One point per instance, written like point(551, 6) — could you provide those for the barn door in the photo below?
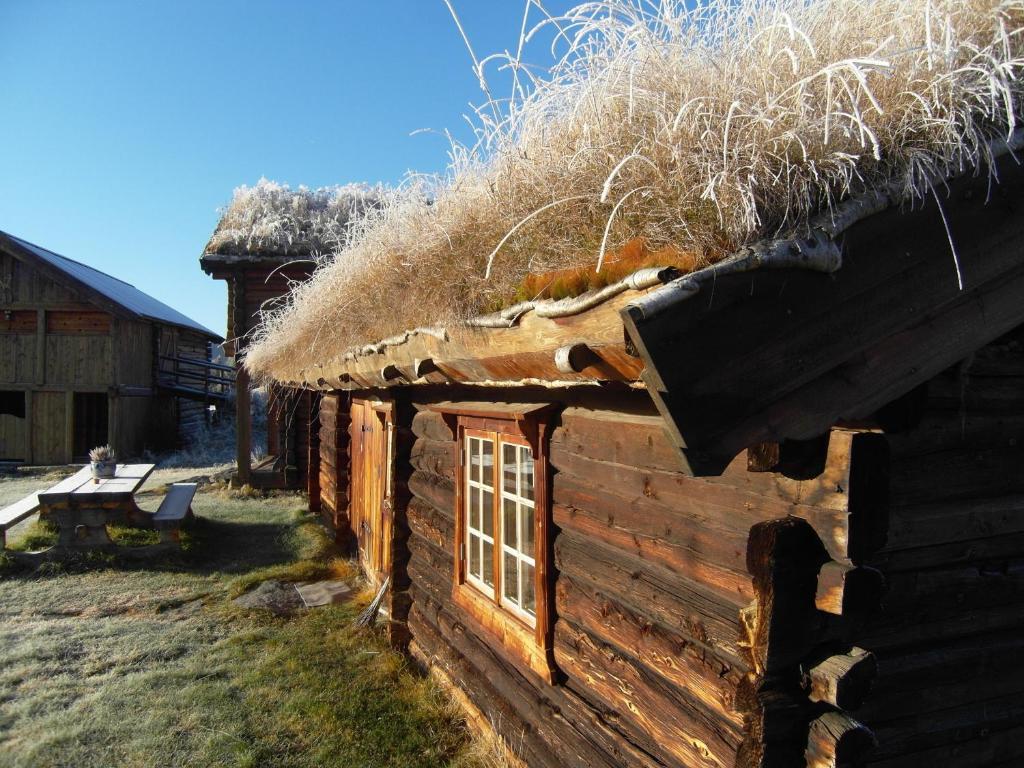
point(370, 507)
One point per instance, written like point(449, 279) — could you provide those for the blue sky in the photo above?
point(126, 125)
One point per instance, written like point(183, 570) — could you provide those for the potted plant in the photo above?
point(103, 462)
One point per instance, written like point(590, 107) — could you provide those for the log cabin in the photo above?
point(266, 241)
point(761, 507)
point(87, 359)
point(768, 513)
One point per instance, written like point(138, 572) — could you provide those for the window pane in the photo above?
point(510, 578)
point(526, 473)
point(473, 450)
point(508, 467)
point(488, 566)
point(474, 508)
point(487, 463)
point(487, 513)
point(526, 532)
point(474, 555)
point(508, 527)
point(529, 602)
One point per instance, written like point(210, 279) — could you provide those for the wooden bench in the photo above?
point(15, 513)
point(175, 509)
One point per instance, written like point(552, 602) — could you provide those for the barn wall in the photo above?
point(651, 580)
point(949, 636)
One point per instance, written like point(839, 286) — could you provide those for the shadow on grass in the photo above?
point(252, 551)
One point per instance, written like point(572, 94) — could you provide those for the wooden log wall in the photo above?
point(334, 463)
point(653, 595)
point(950, 687)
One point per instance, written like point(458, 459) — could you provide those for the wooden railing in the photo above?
point(196, 379)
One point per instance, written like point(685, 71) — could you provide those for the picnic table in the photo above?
point(81, 506)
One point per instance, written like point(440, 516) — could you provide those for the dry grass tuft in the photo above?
point(273, 218)
point(696, 129)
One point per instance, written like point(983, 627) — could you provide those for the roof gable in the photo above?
point(102, 288)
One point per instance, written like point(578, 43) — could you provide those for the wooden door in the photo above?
point(369, 508)
point(13, 427)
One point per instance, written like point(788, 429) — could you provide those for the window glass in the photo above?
point(508, 464)
point(488, 564)
point(526, 473)
point(529, 600)
point(479, 512)
point(510, 578)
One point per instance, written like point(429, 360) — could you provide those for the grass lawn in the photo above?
point(105, 664)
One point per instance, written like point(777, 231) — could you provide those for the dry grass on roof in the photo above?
point(695, 131)
point(273, 219)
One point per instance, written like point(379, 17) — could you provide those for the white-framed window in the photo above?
point(499, 499)
point(518, 548)
point(479, 501)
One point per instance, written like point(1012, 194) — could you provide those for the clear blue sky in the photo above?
point(125, 125)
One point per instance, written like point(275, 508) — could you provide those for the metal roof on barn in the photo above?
point(123, 294)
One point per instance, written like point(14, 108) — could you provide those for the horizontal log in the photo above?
point(952, 554)
point(434, 456)
point(571, 735)
point(960, 473)
point(711, 681)
point(929, 678)
point(430, 524)
point(696, 612)
point(943, 522)
point(954, 588)
point(431, 425)
point(643, 703)
point(437, 491)
point(741, 506)
point(900, 629)
point(950, 728)
point(708, 548)
point(991, 749)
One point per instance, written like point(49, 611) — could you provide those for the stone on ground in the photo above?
point(277, 597)
point(325, 593)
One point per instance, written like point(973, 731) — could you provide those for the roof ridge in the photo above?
point(73, 261)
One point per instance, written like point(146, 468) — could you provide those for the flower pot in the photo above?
point(103, 469)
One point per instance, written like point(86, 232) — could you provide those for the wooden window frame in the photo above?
point(527, 426)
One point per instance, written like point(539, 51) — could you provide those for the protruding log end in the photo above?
point(836, 740)
point(424, 367)
point(843, 680)
point(847, 590)
point(573, 358)
point(392, 373)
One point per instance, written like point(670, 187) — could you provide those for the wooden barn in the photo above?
point(87, 359)
point(770, 513)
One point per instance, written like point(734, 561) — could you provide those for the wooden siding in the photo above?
point(134, 351)
point(81, 362)
point(17, 357)
point(50, 434)
point(334, 464)
point(23, 287)
point(650, 586)
point(950, 690)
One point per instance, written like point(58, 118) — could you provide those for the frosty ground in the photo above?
point(104, 663)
